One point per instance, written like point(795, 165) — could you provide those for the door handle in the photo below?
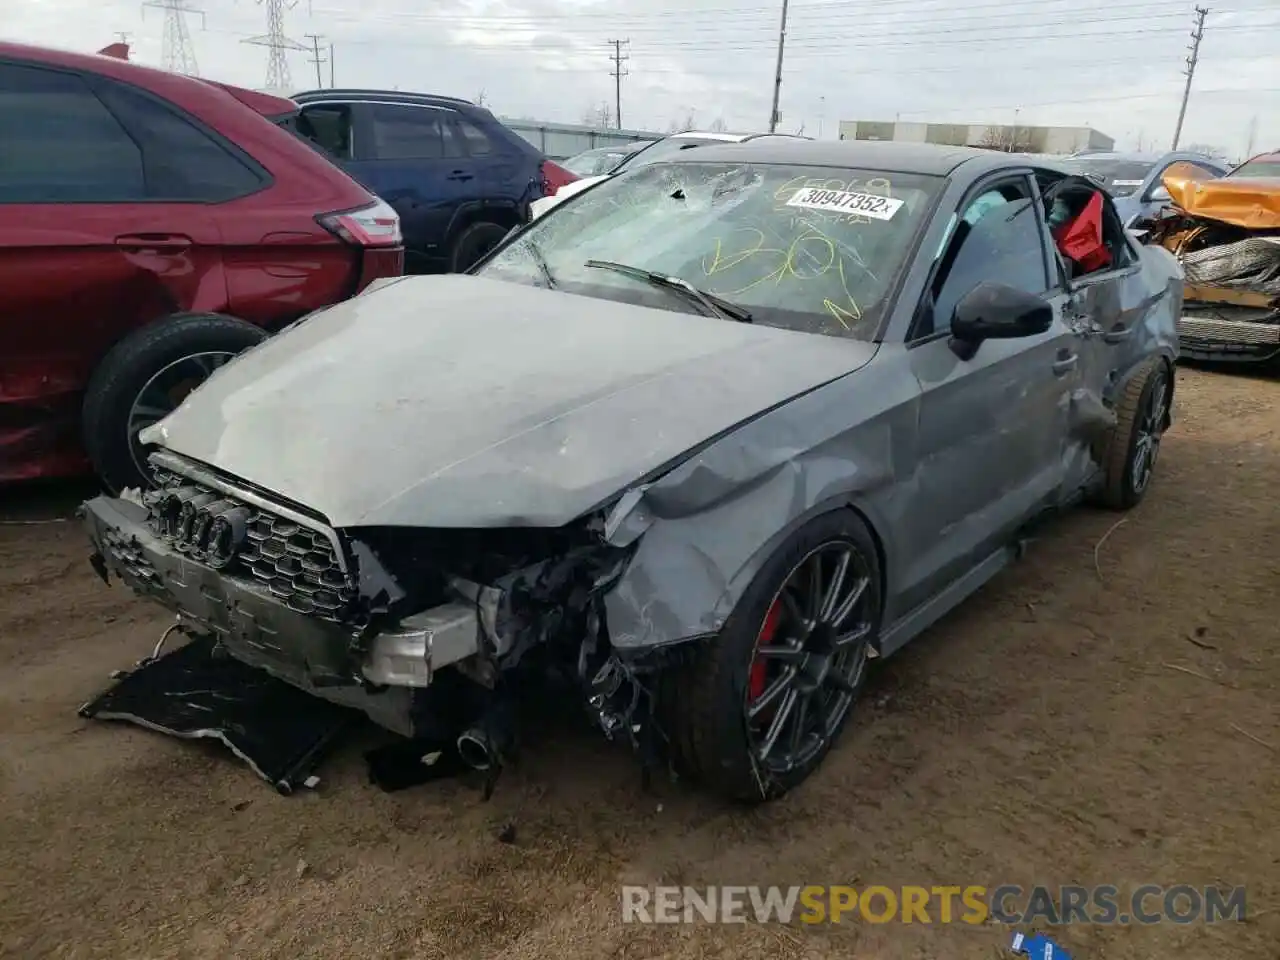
point(1117, 334)
point(164, 242)
point(1065, 364)
point(459, 175)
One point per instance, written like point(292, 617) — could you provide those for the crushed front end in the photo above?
point(431, 633)
point(1226, 234)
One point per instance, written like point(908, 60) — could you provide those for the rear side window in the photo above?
point(413, 133)
point(181, 161)
point(60, 144)
point(477, 141)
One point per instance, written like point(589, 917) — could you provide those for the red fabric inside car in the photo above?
point(1080, 238)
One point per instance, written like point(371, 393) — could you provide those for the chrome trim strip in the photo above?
point(180, 465)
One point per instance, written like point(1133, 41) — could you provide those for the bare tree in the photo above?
point(1007, 139)
point(481, 99)
point(679, 126)
point(598, 116)
point(718, 125)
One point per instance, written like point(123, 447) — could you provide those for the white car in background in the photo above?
point(655, 151)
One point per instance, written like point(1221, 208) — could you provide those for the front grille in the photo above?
point(297, 563)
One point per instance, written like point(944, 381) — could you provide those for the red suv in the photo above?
point(152, 226)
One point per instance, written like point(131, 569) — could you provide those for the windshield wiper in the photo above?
point(535, 254)
point(711, 304)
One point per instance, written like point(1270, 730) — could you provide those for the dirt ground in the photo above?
point(1091, 717)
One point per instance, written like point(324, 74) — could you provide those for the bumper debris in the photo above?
point(195, 693)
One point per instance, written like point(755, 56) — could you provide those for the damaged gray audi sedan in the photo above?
point(706, 439)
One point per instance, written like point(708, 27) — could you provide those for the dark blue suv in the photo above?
point(458, 178)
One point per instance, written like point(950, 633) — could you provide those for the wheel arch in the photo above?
point(505, 213)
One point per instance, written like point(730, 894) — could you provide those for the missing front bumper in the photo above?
point(316, 655)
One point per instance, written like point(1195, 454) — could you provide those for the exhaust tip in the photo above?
point(474, 750)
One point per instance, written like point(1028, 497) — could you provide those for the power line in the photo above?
point(178, 54)
point(277, 43)
point(618, 73)
point(1196, 36)
point(722, 17)
point(315, 39)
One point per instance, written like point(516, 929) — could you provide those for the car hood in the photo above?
point(1249, 202)
point(460, 401)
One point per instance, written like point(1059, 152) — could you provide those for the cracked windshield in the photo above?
point(812, 249)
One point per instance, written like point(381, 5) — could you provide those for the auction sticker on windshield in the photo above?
point(843, 201)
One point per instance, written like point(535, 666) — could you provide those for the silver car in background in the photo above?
point(1133, 179)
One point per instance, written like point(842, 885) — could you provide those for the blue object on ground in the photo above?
point(1038, 947)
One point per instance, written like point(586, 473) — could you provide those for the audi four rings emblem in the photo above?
point(203, 525)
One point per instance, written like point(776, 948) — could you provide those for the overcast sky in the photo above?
point(1114, 66)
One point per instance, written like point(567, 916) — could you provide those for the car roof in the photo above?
point(1137, 156)
point(389, 96)
point(889, 155)
point(158, 81)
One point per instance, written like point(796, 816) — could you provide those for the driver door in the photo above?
point(992, 429)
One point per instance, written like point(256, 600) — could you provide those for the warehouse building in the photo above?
point(1016, 138)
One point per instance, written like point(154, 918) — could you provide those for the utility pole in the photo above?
point(618, 73)
point(178, 55)
point(1196, 36)
point(331, 73)
point(774, 116)
point(277, 43)
point(315, 56)
point(1253, 136)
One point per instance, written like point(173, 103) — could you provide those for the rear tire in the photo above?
point(473, 243)
point(145, 376)
point(709, 704)
point(1133, 446)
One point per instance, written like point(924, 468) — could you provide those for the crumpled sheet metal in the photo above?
point(1253, 204)
point(1251, 264)
point(709, 524)
point(705, 529)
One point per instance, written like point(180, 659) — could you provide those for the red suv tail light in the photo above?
point(554, 177)
point(374, 225)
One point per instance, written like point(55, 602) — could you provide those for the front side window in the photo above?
point(997, 239)
point(60, 144)
point(813, 249)
point(327, 126)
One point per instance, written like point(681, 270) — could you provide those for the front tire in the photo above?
point(759, 706)
point(144, 377)
point(1134, 444)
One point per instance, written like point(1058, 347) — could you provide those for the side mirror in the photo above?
point(993, 311)
point(1159, 194)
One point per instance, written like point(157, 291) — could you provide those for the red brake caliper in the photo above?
point(758, 679)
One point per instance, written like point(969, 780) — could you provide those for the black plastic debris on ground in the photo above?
point(409, 763)
point(281, 732)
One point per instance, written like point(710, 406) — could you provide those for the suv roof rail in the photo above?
point(390, 94)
